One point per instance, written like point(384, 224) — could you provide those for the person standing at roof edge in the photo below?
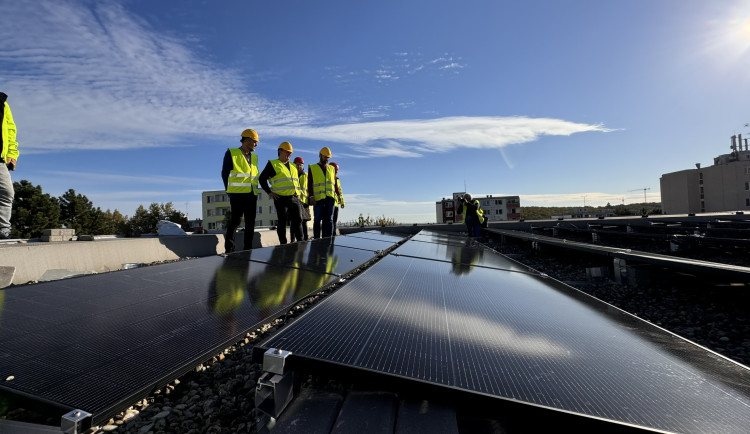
point(473, 215)
point(321, 189)
point(240, 175)
point(300, 163)
point(339, 197)
point(9, 157)
point(284, 190)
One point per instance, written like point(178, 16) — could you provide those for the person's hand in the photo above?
point(342, 206)
point(11, 164)
point(273, 196)
point(311, 200)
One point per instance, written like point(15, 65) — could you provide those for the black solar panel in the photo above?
point(96, 342)
point(523, 338)
point(377, 235)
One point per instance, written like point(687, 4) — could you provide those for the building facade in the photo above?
point(496, 208)
point(215, 206)
point(724, 186)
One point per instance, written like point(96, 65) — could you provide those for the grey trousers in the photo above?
point(6, 199)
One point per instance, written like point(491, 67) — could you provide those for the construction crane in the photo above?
point(644, 192)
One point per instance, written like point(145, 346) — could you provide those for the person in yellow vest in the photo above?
point(8, 157)
point(284, 190)
point(240, 175)
point(473, 215)
point(321, 191)
point(339, 197)
point(300, 163)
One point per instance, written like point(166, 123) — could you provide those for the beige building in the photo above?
point(215, 206)
point(496, 208)
point(725, 186)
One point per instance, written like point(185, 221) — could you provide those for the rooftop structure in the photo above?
point(724, 186)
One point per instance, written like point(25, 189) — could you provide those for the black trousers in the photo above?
point(287, 212)
point(292, 237)
point(241, 205)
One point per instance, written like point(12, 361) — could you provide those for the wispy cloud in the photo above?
point(99, 77)
point(102, 78)
point(413, 138)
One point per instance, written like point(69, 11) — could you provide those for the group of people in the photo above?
point(473, 214)
point(286, 183)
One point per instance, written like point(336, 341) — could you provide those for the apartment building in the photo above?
point(724, 186)
point(496, 208)
point(215, 206)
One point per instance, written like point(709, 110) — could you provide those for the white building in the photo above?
point(215, 206)
point(496, 208)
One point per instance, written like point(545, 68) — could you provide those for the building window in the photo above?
point(272, 210)
point(449, 204)
point(212, 225)
point(260, 196)
point(260, 210)
point(209, 213)
point(449, 213)
point(747, 170)
point(747, 202)
point(747, 186)
point(498, 201)
point(208, 199)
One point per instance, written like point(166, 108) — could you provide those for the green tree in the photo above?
point(33, 211)
point(146, 221)
point(77, 212)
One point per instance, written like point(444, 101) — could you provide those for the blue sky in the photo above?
point(559, 102)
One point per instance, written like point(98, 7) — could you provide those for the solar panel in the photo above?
point(362, 243)
point(81, 343)
point(521, 338)
point(377, 235)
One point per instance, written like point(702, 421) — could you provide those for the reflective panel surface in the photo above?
point(524, 338)
point(378, 235)
point(362, 243)
point(94, 342)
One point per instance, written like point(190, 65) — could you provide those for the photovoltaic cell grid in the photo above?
point(502, 332)
point(100, 342)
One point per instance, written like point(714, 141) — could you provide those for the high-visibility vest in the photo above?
point(243, 178)
point(322, 183)
point(9, 146)
point(286, 180)
point(341, 194)
point(480, 212)
point(303, 188)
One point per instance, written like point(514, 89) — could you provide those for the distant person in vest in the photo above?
point(473, 215)
point(321, 188)
point(9, 155)
point(339, 197)
point(300, 163)
point(240, 175)
point(284, 190)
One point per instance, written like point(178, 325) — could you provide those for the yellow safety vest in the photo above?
point(341, 193)
point(243, 178)
point(303, 188)
point(286, 180)
point(9, 146)
point(480, 212)
point(322, 183)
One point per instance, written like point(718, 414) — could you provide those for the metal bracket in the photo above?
point(75, 422)
point(275, 388)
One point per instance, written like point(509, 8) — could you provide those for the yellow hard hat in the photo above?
point(250, 134)
point(326, 152)
point(286, 146)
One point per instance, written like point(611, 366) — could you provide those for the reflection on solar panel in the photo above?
point(81, 343)
point(498, 331)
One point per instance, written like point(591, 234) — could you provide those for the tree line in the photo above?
point(35, 211)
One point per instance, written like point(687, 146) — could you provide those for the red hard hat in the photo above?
point(335, 165)
point(299, 160)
